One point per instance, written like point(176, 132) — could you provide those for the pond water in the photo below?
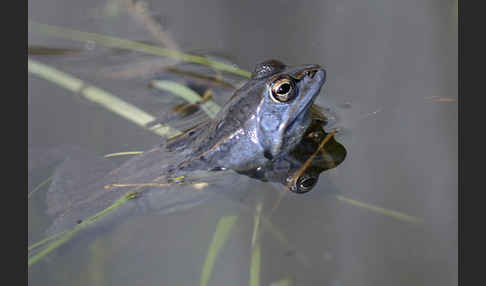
point(392, 86)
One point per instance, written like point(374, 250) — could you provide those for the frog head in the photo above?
point(287, 94)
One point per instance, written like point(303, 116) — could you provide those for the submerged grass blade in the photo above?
point(39, 186)
point(96, 269)
point(39, 50)
point(99, 96)
point(67, 235)
point(223, 230)
point(391, 213)
point(134, 46)
point(44, 241)
point(210, 107)
point(255, 266)
point(255, 248)
point(51, 247)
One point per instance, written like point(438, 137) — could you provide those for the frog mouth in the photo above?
point(312, 79)
point(300, 116)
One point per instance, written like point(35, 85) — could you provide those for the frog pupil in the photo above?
point(283, 88)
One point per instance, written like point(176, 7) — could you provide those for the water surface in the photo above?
point(392, 82)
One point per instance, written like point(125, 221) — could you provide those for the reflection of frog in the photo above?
point(283, 168)
point(263, 120)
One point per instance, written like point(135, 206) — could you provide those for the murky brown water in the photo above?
point(392, 81)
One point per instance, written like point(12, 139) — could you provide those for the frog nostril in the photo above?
point(311, 73)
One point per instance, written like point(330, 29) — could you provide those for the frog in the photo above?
point(263, 120)
point(267, 123)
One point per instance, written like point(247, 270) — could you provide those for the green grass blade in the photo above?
point(100, 97)
point(255, 266)
point(134, 46)
point(223, 230)
point(44, 241)
point(39, 186)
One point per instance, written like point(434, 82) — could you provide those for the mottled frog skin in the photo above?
point(264, 120)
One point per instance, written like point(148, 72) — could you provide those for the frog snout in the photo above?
point(317, 72)
point(311, 73)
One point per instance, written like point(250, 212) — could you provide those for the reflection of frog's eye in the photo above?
point(282, 89)
point(316, 136)
point(304, 183)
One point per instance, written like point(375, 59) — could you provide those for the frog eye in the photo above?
point(282, 89)
point(304, 183)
